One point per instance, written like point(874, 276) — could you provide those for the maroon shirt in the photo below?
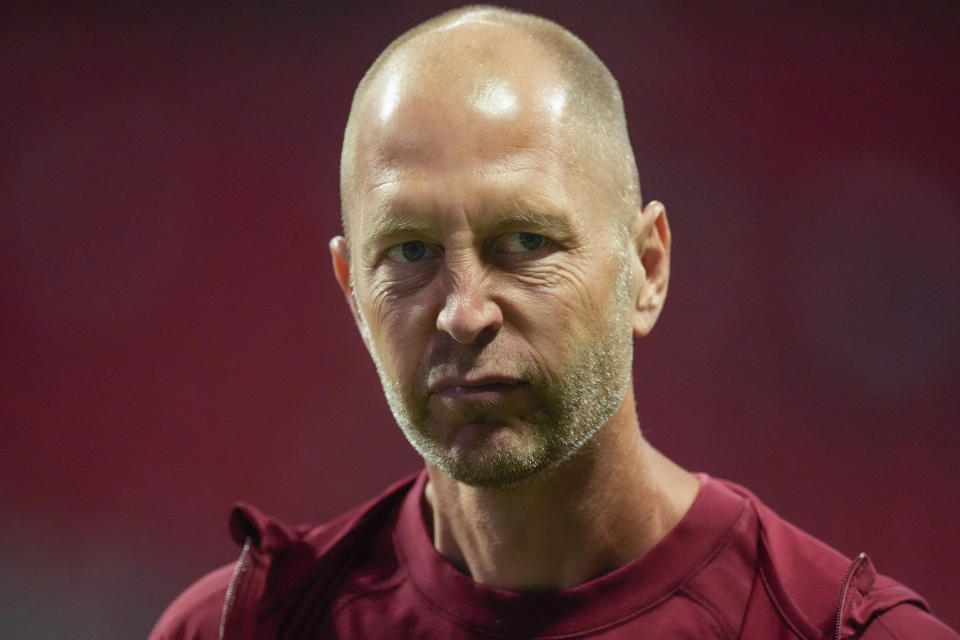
point(731, 568)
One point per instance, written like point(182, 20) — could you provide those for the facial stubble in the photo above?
point(567, 410)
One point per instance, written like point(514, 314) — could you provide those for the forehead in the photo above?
point(437, 187)
point(440, 132)
point(521, 183)
point(445, 101)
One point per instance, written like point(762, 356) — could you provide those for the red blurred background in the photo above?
point(173, 339)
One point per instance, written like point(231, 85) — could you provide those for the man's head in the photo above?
point(498, 258)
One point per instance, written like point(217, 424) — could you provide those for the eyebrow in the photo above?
point(529, 218)
point(389, 224)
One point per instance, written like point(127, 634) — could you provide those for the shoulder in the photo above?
point(820, 591)
point(290, 554)
point(195, 613)
point(907, 622)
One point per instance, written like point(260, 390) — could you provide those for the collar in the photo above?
point(612, 598)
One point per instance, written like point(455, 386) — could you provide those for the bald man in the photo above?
point(499, 261)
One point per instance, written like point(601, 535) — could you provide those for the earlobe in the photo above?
point(652, 239)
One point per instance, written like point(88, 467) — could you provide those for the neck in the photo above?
point(608, 504)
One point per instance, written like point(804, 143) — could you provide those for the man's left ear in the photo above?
point(651, 240)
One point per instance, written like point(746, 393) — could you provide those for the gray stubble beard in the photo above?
point(573, 408)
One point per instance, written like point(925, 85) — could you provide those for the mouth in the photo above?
point(489, 388)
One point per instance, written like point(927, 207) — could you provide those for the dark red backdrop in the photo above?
point(172, 339)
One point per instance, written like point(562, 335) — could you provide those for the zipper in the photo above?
point(239, 573)
point(844, 588)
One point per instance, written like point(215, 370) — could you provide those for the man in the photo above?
point(498, 261)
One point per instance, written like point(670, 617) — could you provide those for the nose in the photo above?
point(468, 313)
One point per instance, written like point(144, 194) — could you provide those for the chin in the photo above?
point(503, 472)
point(492, 455)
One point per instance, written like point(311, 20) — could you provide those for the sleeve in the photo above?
point(195, 613)
point(907, 622)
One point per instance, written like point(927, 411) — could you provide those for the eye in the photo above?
point(522, 242)
point(411, 251)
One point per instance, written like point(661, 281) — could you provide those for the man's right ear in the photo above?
point(340, 256)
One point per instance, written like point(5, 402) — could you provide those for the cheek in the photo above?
point(560, 307)
point(562, 294)
point(399, 327)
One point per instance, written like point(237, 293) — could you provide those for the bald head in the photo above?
point(455, 81)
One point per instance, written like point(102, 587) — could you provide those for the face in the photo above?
point(491, 284)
